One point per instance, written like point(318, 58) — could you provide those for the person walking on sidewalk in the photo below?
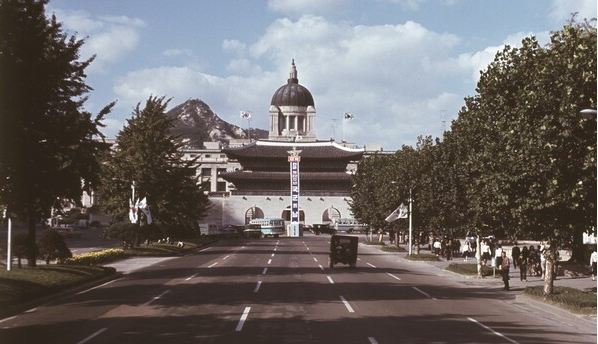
point(523, 264)
point(515, 252)
point(504, 267)
point(593, 261)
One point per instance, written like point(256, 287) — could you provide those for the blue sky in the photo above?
point(401, 66)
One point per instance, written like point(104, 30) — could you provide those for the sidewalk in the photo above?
point(517, 287)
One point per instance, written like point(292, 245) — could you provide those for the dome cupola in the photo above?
point(292, 94)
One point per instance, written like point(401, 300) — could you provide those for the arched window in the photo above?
point(330, 214)
point(252, 213)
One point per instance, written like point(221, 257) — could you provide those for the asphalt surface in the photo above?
point(282, 291)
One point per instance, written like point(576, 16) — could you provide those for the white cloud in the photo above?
point(561, 10)
point(110, 38)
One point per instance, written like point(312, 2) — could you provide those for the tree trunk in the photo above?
point(31, 246)
point(478, 255)
point(550, 255)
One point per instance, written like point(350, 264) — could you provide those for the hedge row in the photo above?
point(97, 257)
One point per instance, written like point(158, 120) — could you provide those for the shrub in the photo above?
point(97, 257)
point(51, 246)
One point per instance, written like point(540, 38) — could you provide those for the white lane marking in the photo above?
point(272, 255)
point(346, 303)
point(371, 265)
point(205, 249)
point(8, 319)
point(156, 297)
point(321, 267)
point(213, 264)
point(97, 333)
point(424, 293)
point(257, 287)
point(99, 286)
point(393, 276)
point(372, 340)
point(307, 248)
point(265, 271)
point(315, 259)
point(190, 277)
point(330, 279)
point(31, 310)
point(491, 330)
point(275, 248)
point(243, 318)
point(223, 258)
point(269, 261)
point(358, 258)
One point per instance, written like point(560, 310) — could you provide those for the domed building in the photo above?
point(292, 111)
point(263, 187)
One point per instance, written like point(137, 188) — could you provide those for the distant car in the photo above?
point(253, 231)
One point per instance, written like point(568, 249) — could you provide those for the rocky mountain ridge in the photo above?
point(195, 123)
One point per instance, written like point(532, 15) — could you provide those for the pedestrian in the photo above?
point(593, 261)
point(498, 255)
point(465, 250)
point(437, 246)
point(543, 253)
point(504, 267)
point(523, 264)
point(485, 252)
point(515, 252)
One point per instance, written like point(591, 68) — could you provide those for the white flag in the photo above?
point(145, 208)
point(245, 115)
point(133, 211)
point(400, 213)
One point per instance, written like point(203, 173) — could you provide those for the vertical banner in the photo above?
point(294, 159)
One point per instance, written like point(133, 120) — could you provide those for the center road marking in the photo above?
point(315, 259)
point(225, 257)
point(330, 279)
point(190, 277)
point(265, 270)
point(93, 335)
point(424, 293)
point(257, 287)
point(372, 340)
point(269, 261)
point(346, 303)
point(156, 297)
point(393, 276)
point(243, 318)
point(371, 265)
point(491, 330)
point(214, 264)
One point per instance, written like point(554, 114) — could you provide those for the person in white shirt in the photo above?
point(485, 252)
point(593, 261)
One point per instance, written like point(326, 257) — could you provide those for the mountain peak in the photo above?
point(195, 123)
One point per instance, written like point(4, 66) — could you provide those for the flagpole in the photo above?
point(410, 219)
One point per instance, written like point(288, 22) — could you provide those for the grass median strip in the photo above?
point(25, 284)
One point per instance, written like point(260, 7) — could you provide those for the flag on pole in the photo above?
point(400, 213)
point(145, 208)
point(349, 115)
point(133, 211)
point(245, 115)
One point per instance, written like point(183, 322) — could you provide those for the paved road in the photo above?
point(282, 291)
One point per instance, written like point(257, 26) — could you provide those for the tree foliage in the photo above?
point(518, 162)
point(48, 143)
point(147, 155)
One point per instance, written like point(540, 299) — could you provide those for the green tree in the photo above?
point(530, 169)
point(51, 246)
point(48, 143)
point(147, 155)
